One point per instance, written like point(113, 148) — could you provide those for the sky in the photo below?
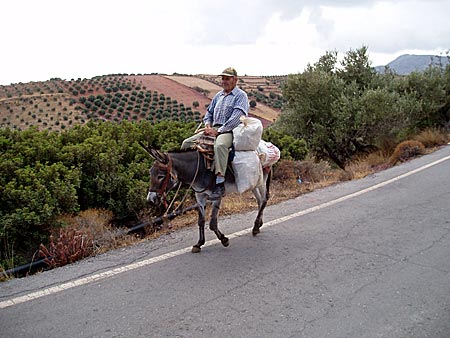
point(85, 38)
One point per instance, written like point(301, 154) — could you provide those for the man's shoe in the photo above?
point(218, 192)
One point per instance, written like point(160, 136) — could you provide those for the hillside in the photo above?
point(58, 104)
point(406, 64)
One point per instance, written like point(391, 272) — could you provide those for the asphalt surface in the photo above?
point(366, 258)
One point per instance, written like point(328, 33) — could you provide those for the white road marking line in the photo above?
point(146, 262)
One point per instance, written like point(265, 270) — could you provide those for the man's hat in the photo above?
point(229, 72)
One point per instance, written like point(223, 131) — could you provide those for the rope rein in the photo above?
point(179, 186)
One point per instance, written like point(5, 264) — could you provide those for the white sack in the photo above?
point(268, 153)
point(247, 170)
point(246, 136)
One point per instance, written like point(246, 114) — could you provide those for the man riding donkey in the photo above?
point(222, 116)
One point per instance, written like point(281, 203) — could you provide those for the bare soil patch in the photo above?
point(174, 89)
point(209, 88)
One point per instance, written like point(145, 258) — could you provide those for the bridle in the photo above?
point(167, 168)
point(162, 191)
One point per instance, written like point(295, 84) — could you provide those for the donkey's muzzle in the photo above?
point(152, 197)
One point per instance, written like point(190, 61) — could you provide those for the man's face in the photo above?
point(228, 83)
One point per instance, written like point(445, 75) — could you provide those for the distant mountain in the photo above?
point(406, 64)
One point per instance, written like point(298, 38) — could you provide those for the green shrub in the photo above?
point(290, 147)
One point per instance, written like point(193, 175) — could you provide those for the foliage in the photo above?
point(356, 68)
point(99, 165)
point(70, 246)
point(343, 111)
point(290, 147)
point(431, 89)
point(309, 113)
point(86, 234)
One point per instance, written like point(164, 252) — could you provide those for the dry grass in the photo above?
point(407, 150)
point(98, 222)
point(9, 262)
point(366, 165)
point(87, 234)
point(432, 137)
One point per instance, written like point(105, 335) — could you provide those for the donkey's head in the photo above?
point(162, 178)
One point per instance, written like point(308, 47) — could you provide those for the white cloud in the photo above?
point(388, 26)
point(85, 38)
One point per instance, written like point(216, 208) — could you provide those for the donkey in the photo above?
point(188, 168)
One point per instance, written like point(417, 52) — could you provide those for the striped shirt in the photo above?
point(226, 109)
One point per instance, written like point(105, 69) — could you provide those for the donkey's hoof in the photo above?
point(255, 231)
point(196, 249)
point(225, 241)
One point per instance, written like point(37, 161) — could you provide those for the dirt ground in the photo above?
point(173, 89)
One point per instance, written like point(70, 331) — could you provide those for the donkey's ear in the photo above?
point(159, 156)
point(147, 149)
point(155, 153)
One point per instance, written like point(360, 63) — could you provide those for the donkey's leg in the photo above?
point(261, 197)
point(201, 204)
point(213, 223)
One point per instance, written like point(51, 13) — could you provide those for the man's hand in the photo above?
point(209, 131)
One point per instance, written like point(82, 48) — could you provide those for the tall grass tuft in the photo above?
point(432, 137)
point(367, 164)
point(407, 150)
point(84, 235)
point(68, 247)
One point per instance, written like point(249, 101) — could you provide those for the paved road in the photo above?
point(367, 258)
